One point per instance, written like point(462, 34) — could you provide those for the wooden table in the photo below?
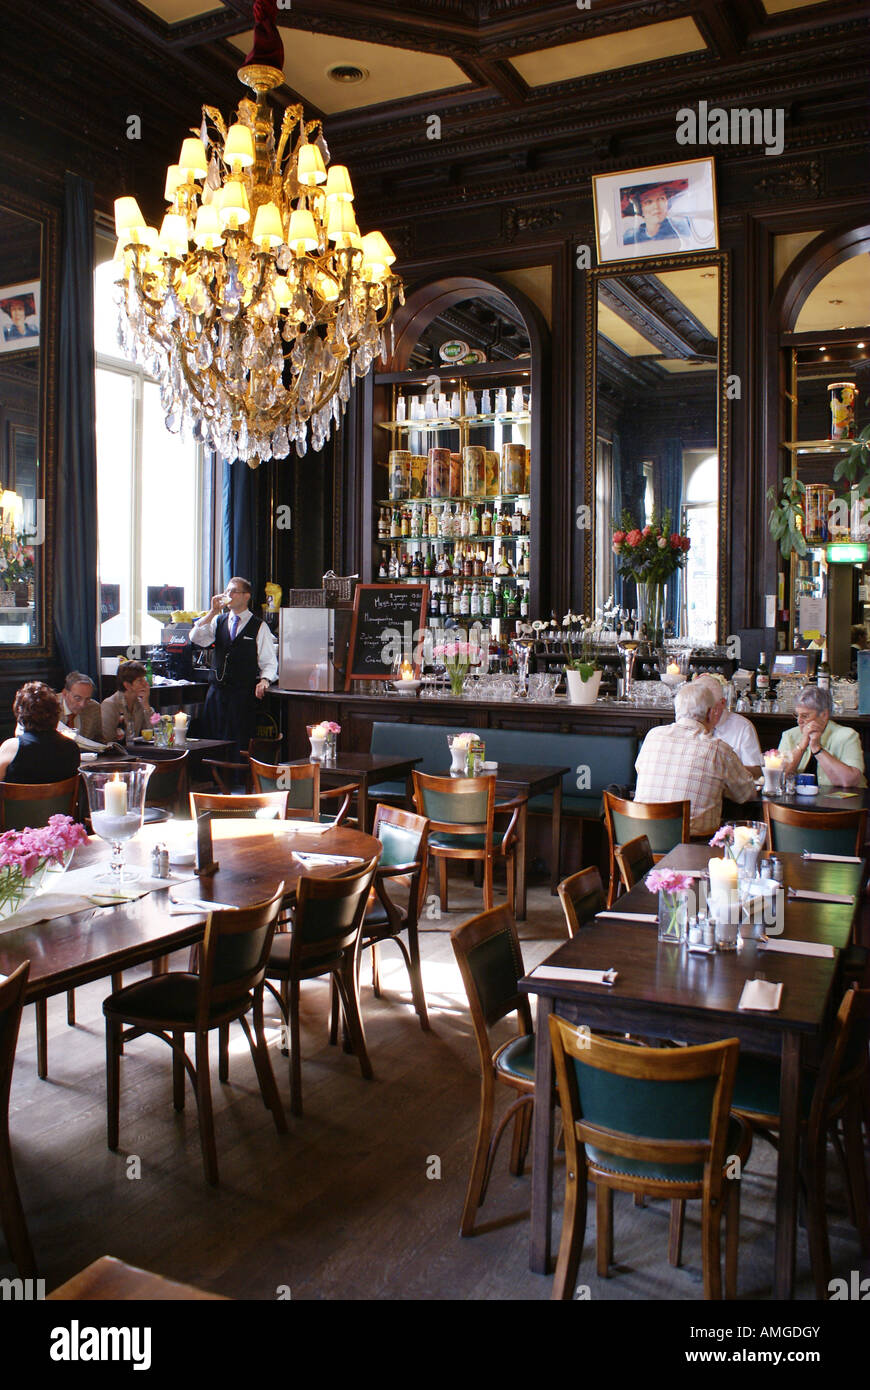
point(527, 780)
point(114, 1281)
point(367, 770)
point(196, 749)
point(664, 992)
point(254, 856)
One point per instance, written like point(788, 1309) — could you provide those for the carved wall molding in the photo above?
point(793, 178)
point(516, 220)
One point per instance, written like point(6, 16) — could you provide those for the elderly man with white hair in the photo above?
point(818, 745)
point(733, 728)
point(683, 762)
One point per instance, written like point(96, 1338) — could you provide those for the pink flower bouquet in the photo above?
point(673, 889)
point(26, 854)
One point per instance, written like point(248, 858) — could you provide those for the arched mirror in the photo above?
point(656, 440)
point(22, 490)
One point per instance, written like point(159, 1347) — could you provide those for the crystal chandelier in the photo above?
point(257, 304)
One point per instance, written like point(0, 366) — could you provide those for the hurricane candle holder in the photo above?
point(116, 800)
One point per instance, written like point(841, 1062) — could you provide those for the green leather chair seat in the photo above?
point(447, 841)
point(518, 1058)
point(663, 1172)
point(172, 996)
point(756, 1086)
point(384, 789)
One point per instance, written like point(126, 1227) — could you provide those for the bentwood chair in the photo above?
point(790, 830)
point(487, 950)
point(31, 805)
point(665, 824)
point(403, 862)
point(833, 1097)
point(228, 776)
point(11, 1211)
point(653, 1122)
point(227, 986)
point(167, 785)
point(634, 861)
point(305, 796)
point(581, 896)
point(324, 939)
point(461, 814)
point(266, 806)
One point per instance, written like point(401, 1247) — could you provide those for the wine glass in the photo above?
point(116, 799)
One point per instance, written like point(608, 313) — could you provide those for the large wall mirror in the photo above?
point(22, 461)
point(656, 440)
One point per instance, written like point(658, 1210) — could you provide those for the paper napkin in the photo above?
point(761, 994)
point(797, 948)
point(573, 973)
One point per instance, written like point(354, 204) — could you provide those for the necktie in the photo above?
point(234, 627)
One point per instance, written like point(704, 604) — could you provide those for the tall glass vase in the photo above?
point(651, 600)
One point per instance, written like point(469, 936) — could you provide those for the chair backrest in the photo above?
point(790, 830)
point(488, 954)
point(32, 804)
point(301, 781)
point(666, 823)
point(235, 953)
point(459, 805)
point(659, 1114)
point(265, 750)
point(266, 806)
point(167, 785)
point(11, 1003)
point(845, 1056)
point(581, 896)
point(634, 860)
point(329, 913)
point(404, 838)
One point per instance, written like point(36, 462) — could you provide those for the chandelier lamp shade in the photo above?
point(257, 303)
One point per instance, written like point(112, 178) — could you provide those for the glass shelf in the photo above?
point(447, 540)
point(818, 446)
point(449, 501)
point(471, 422)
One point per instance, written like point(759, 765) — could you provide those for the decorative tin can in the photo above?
point(418, 475)
point(843, 395)
point(492, 462)
point(399, 467)
point(438, 473)
point(474, 470)
point(455, 475)
point(512, 475)
point(817, 500)
point(528, 483)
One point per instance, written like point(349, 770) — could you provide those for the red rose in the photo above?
point(633, 538)
point(647, 531)
point(618, 537)
point(686, 543)
point(676, 541)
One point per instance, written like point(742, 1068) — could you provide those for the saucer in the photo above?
point(806, 791)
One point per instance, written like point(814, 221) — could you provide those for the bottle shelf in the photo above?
point(449, 540)
point(457, 422)
point(818, 446)
point(485, 499)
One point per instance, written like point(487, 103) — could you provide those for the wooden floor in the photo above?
point(344, 1205)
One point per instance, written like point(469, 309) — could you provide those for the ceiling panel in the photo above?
point(609, 52)
point(174, 11)
point(849, 284)
point(780, 6)
point(394, 74)
point(632, 343)
point(698, 289)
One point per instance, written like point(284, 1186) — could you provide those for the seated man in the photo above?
point(128, 710)
point(683, 762)
point(734, 729)
point(38, 753)
point(820, 746)
point(79, 711)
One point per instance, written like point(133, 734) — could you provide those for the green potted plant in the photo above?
point(583, 672)
point(786, 518)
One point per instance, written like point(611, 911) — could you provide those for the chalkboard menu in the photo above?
point(388, 623)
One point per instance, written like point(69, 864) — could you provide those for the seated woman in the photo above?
point(39, 753)
point(128, 709)
point(818, 745)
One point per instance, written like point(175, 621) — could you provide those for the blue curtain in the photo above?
point(672, 501)
point(76, 599)
point(242, 552)
point(616, 504)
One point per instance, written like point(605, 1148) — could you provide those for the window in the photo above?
point(150, 492)
point(701, 521)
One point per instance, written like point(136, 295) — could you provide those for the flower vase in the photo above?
point(651, 599)
point(580, 691)
point(330, 748)
point(673, 916)
point(458, 757)
point(457, 683)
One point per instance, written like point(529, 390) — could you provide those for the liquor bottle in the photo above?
point(486, 602)
point(486, 522)
point(406, 521)
point(524, 602)
point(457, 600)
point(415, 565)
point(488, 567)
point(474, 607)
point(395, 524)
point(478, 564)
point(432, 525)
point(497, 607)
point(468, 564)
point(427, 566)
point(445, 601)
point(503, 568)
point(416, 524)
point(505, 523)
point(464, 602)
point(762, 678)
point(473, 522)
point(823, 677)
point(393, 567)
point(516, 522)
point(433, 602)
point(382, 572)
point(403, 566)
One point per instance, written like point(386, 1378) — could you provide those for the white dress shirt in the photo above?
point(202, 634)
point(740, 735)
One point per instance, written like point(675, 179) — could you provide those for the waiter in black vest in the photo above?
point(244, 664)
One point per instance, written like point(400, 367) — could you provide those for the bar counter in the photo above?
point(294, 709)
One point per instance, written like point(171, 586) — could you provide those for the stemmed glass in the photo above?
point(116, 799)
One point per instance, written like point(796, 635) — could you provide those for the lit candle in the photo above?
point(773, 761)
point(116, 797)
point(407, 670)
point(723, 875)
point(673, 669)
point(181, 720)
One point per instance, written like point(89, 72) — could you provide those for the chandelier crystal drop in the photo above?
point(257, 304)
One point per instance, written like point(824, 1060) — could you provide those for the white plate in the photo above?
point(806, 791)
point(182, 856)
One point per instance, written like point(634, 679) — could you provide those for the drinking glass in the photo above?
point(116, 800)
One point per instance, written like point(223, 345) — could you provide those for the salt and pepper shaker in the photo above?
point(776, 869)
point(160, 862)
